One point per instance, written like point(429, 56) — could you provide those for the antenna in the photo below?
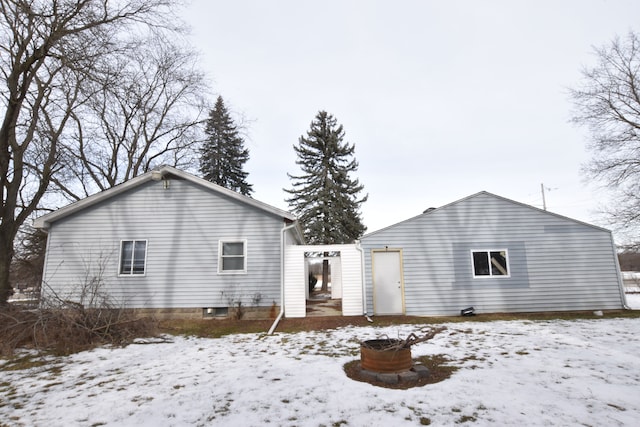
point(544, 200)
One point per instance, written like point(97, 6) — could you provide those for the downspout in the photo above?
point(619, 274)
point(282, 245)
point(362, 280)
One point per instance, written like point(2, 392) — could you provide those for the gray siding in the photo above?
point(555, 263)
point(182, 225)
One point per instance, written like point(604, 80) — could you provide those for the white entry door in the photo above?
point(387, 282)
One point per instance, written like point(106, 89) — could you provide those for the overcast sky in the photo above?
point(442, 99)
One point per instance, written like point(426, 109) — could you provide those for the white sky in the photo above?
point(441, 98)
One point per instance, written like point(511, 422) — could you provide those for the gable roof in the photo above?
point(158, 174)
point(431, 211)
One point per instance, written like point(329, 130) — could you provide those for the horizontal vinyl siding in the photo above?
point(182, 226)
point(295, 282)
point(351, 259)
point(554, 263)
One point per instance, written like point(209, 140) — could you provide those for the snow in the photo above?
point(582, 372)
point(633, 301)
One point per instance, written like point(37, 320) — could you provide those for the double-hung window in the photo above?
point(232, 256)
point(490, 263)
point(133, 257)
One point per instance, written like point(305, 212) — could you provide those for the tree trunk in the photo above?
point(6, 255)
point(325, 273)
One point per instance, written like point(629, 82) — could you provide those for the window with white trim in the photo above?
point(133, 257)
point(232, 256)
point(490, 263)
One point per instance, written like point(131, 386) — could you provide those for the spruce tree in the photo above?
point(223, 155)
point(324, 197)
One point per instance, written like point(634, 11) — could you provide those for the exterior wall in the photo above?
point(295, 281)
point(555, 263)
point(182, 225)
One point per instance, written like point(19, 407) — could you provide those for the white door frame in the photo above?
point(295, 286)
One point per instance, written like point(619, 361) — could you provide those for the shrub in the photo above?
point(69, 330)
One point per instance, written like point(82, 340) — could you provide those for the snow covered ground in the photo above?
point(633, 301)
point(584, 372)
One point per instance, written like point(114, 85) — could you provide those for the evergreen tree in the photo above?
point(223, 155)
point(324, 197)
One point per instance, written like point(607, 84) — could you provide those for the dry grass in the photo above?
point(65, 331)
point(212, 328)
point(220, 327)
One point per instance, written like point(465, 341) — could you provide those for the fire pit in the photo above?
point(387, 362)
point(390, 355)
point(385, 355)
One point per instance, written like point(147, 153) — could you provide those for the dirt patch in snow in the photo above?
point(439, 366)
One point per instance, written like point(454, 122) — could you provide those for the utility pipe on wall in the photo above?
point(282, 246)
point(362, 280)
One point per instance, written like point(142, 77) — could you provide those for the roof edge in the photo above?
point(157, 174)
point(479, 193)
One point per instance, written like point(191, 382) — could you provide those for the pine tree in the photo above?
point(223, 155)
point(324, 197)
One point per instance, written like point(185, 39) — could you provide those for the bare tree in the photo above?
point(28, 262)
point(607, 102)
point(145, 112)
point(56, 58)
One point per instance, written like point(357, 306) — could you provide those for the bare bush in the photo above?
point(65, 326)
point(235, 301)
point(66, 331)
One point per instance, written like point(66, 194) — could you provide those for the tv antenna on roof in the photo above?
point(544, 200)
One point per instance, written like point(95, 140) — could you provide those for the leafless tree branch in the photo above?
point(607, 103)
point(58, 60)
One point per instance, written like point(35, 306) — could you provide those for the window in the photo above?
point(215, 312)
point(490, 263)
point(133, 257)
point(232, 256)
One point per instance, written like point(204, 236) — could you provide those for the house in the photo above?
point(492, 254)
point(169, 242)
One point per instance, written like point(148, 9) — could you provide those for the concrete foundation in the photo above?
point(199, 313)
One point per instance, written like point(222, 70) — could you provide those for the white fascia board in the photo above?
point(45, 220)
